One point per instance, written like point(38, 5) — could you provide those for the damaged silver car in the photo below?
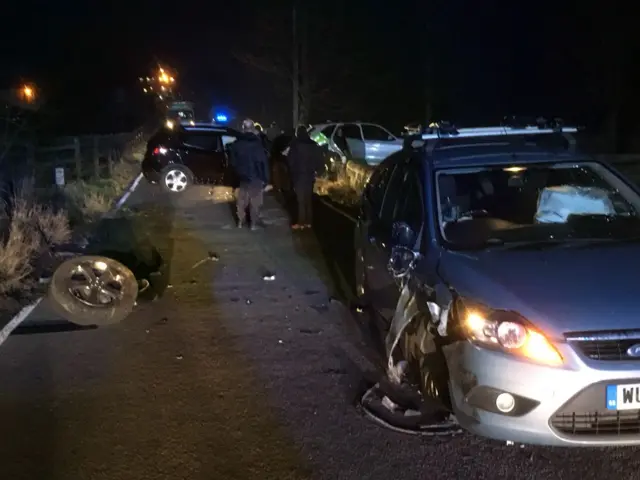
point(497, 265)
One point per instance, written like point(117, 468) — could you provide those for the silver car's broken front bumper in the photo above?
point(554, 406)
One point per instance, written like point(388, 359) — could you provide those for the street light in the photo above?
point(28, 93)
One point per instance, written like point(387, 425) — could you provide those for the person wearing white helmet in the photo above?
point(249, 160)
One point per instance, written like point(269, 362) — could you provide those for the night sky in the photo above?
point(381, 61)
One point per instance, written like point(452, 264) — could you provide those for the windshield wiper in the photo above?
point(565, 243)
point(590, 242)
point(531, 244)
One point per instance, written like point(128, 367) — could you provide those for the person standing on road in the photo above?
point(249, 160)
point(306, 160)
point(273, 132)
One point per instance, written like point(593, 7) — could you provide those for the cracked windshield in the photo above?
point(552, 202)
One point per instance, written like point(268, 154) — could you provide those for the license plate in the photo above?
point(623, 397)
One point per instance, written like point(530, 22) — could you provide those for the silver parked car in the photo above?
point(366, 142)
point(500, 272)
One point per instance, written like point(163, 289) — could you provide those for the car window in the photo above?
point(227, 139)
point(351, 132)
point(410, 208)
point(328, 131)
point(393, 196)
point(377, 186)
point(376, 133)
point(202, 140)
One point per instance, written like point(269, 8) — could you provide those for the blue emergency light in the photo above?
point(221, 118)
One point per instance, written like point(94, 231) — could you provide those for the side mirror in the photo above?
point(402, 235)
point(402, 261)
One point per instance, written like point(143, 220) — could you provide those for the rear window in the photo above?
point(202, 140)
point(328, 131)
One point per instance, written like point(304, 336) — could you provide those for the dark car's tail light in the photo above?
point(159, 150)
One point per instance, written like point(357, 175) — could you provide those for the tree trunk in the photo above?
point(305, 74)
point(296, 66)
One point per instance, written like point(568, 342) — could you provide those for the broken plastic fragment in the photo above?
point(213, 256)
point(412, 413)
point(179, 357)
point(269, 277)
point(389, 404)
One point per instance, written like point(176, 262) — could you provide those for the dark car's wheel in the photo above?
point(176, 178)
point(93, 290)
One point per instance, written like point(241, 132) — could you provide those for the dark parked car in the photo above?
point(179, 156)
point(500, 273)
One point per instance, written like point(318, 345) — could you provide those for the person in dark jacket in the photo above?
point(306, 160)
point(248, 159)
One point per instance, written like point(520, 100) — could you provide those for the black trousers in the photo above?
point(304, 196)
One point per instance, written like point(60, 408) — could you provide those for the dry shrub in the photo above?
point(31, 228)
point(123, 173)
point(345, 187)
point(53, 226)
point(16, 257)
point(86, 202)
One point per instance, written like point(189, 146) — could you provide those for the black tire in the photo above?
point(175, 178)
point(79, 311)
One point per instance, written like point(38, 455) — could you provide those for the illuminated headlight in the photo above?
point(170, 124)
point(509, 332)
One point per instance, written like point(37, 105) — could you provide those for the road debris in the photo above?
point(269, 277)
point(179, 357)
point(211, 257)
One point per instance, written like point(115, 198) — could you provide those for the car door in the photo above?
point(203, 154)
point(402, 203)
point(379, 240)
point(379, 143)
point(353, 136)
point(369, 220)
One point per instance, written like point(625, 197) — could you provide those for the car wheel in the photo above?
point(176, 178)
point(434, 379)
point(93, 290)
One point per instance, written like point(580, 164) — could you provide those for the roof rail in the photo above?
point(446, 130)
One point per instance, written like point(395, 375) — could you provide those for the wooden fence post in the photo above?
point(78, 157)
point(96, 156)
point(110, 163)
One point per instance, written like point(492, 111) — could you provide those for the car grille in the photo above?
point(585, 414)
point(607, 349)
point(607, 346)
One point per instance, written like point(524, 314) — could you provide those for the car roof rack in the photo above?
point(511, 126)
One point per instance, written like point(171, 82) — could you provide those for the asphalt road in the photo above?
point(229, 376)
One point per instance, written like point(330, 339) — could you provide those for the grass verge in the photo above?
point(32, 221)
point(345, 186)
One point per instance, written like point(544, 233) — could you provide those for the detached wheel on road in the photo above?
point(93, 290)
point(176, 178)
